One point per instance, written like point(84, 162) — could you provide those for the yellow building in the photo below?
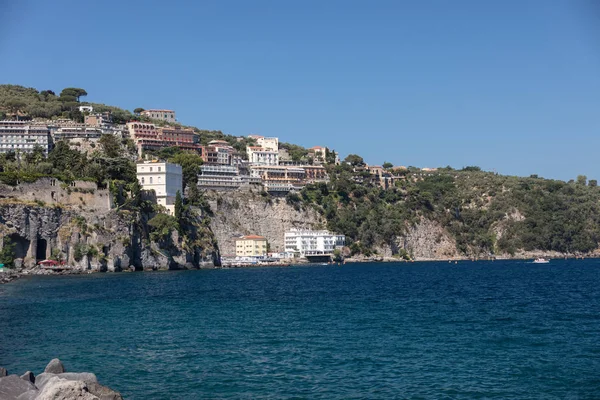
point(251, 246)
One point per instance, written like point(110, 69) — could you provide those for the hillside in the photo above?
point(424, 214)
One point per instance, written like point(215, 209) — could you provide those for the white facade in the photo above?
point(86, 109)
point(267, 143)
point(260, 156)
point(307, 242)
point(165, 179)
point(22, 137)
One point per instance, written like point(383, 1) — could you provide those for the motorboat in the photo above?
point(541, 260)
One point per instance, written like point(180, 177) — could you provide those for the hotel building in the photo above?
point(22, 136)
point(165, 115)
point(312, 243)
point(165, 179)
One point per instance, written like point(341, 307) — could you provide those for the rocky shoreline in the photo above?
point(54, 384)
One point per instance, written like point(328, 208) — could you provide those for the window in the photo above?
point(150, 169)
point(150, 179)
point(158, 169)
point(143, 180)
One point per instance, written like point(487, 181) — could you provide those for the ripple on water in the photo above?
point(424, 330)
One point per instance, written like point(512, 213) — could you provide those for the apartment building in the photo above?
point(251, 246)
point(318, 152)
point(315, 173)
point(311, 243)
point(260, 156)
point(218, 152)
point(165, 179)
point(280, 178)
point(267, 143)
point(165, 115)
point(77, 132)
point(98, 119)
point(150, 137)
point(23, 136)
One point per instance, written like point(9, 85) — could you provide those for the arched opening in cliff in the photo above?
point(40, 252)
point(21, 245)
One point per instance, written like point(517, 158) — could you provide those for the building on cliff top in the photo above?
point(164, 178)
point(150, 137)
point(164, 115)
point(251, 246)
point(267, 143)
point(23, 136)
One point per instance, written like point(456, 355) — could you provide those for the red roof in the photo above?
point(253, 237)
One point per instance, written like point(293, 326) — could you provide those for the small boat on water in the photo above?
point(541, 260)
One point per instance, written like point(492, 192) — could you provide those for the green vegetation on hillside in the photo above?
point(484, 212)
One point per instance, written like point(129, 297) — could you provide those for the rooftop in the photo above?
point(251, 237)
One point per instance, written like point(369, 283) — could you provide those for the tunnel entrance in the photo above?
point(40, 253)
point(21, 245)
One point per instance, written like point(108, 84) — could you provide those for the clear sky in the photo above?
point(511, 86)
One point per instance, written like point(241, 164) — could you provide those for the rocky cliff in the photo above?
point(87, 236)
point(243, 213)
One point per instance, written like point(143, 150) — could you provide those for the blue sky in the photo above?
point(511, 86)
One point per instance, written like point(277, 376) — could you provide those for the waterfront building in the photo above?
point(150, 137)
point(164, 115)
point(251, 246)
point(260, 156)
point(23, 136)
point(164, 178)
point(312, 243)
point(267, 143)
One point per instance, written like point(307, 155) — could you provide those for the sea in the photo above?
point(423, 330)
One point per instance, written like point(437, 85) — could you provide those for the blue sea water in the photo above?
point(472, 330)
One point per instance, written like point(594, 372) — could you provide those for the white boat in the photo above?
point(541, 260)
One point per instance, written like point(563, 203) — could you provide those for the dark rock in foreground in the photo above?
point(54, 384)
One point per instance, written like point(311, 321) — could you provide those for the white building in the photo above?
point(22, 137)
point(164, 178)
point(86, 109)
point(267, 143)
point(165, 115)
point(260, 156)
point(312, 243)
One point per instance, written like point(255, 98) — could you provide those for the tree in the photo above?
point(77, 93)
point(354, 160)
point(15, 105)
point(190, 166)
point(37, 156)
point(161, 226)
point(387, 165)
point(592, 183)
point(581, 180)
point(110, 145)
point(7, 254)
point(138, 111)
point(178, 207)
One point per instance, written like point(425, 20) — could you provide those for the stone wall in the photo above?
point(51, 191)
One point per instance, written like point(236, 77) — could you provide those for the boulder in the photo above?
point(3, 372)
point(13, 386)
point(45, 377)
point(28, 376)
point(55, 367)
point(29, 395)
point(103, 392)
point(61, 389)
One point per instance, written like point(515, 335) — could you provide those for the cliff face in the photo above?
point(86, 237)
point(243, 213)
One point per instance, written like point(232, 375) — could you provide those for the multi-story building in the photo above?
point(77, 133)
point(165, 115)
point(260, 156)
point(251, 246)
point(218, 176)
point(150, 137)
point(23, 136)
point(98, 119)
point(315, 173)
point(318, 153)
point(218, 152)
point(165, 179)
point(312, 243)
point(280, 178)
point(267, 143)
